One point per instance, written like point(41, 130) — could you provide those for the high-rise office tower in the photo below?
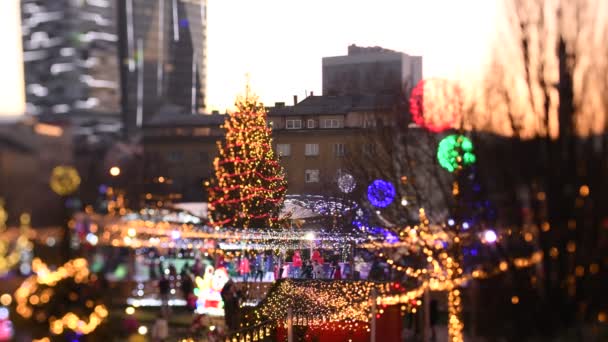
point(71, 57)
point(163, 53)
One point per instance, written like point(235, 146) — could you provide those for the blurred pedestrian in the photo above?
point(187, 285)
point(172, 271)
point(185, 269)
point(316, 256)
point(318, 270)
point(197, 267)
point(230, 297)
point(306, 270)
point(336, 272)
point(296, 264)
point(160, 329)
point(164, 287)
point(259, 267)
point(152, 269)
point(244, 268)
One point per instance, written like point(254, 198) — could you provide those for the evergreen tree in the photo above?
point(249, 184)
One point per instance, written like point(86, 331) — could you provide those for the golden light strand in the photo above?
point(28, 295)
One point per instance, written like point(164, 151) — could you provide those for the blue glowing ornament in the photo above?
point(381, 193)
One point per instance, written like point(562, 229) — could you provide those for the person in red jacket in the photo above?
point(296, 265)
point(316, 256)
point(244, 268)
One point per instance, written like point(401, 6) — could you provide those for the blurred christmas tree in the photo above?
point(249, 184)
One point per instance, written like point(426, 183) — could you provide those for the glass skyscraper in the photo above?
point(134, 58)
point(71, 57)
point(163, 46)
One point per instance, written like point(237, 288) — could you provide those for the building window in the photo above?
point(284, 150)
point(369, 123)
point(175, 156)
point(369, 149)
point(339, 150)
point(310, 123)
point(311, 176)
point(293, 124)
point(311, 150)
point(332, 123)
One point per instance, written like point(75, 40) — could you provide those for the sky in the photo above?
point(12, 92)
point(279, 43)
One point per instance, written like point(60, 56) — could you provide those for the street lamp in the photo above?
point(114, 171)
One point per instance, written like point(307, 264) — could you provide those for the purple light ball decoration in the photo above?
point(381, 193)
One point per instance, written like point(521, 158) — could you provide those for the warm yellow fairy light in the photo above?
point(455, 325)
point(114, 171)
point(26, 295)
point(9, 257)
point(584, 190)
point(64, 180)
point(6, 299)
point(249, 183)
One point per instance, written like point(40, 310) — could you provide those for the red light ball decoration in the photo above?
point(436, 104)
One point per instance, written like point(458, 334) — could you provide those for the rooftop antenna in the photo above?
point(247, 85)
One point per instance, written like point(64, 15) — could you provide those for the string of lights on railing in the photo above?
point(330, 304)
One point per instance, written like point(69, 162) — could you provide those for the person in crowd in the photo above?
point(259, 267)
point(161, 268)
point(336, 272)
point(172, 271)
point(317, 270)
point(269, 267)
point(316, 256)
point(434, 318)
point(152, 269)
point(296, 264)
point(197, 268)
point(230, 297)
point(219, 261)
point(187, 285)
point(306, 270)
point(285, 270)
point(185, 269)
point(160, 329)
point(376, 272)
point(164, 286)
point(244, 268)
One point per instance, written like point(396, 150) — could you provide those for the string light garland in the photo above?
point(11, 257)
point(455, 325)
point(436, 104)
point(39, 289)
point(249, 184)
point(320, 302)
point(454, 152)
point(64, 180)
point(381, 193)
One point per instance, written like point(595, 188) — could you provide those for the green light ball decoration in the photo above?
point(455, 152)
